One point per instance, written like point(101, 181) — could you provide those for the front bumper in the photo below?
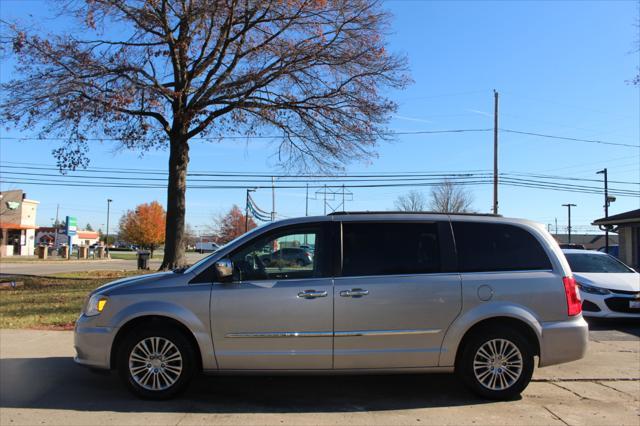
point(563, 341)
point(93, 343)
point(614, 305)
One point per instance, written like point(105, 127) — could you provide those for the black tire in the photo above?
point(179, 340)
point(465, 363)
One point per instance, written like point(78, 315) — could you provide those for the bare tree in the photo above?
point(450, 197)
point(412, 201)
point(190, 236)
point(159, 73)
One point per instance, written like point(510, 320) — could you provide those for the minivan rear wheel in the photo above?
point(155, 362)
point(496, 363)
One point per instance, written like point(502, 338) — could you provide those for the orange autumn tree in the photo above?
point(231, 225)
point(144, 226)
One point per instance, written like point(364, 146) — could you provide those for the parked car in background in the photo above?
point(614, 250)
point(482, 296)
point(609, 288)
point(206, 247)
point(288, 257)
point(574, 246)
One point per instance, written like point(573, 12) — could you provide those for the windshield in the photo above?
point(586, 262)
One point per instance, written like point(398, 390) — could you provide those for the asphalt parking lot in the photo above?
point(40, 384)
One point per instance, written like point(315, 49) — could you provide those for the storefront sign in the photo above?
point(72, 226)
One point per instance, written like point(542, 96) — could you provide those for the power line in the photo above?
point(35, 166)
point(569, 139)
point(509, 181)
point(457, 179)
point(264, 178)
point(245, 137)
point(389, 133)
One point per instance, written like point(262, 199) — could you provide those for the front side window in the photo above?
point(497, 247)
point(595, 263)
point(279, 256)
point(371, 248)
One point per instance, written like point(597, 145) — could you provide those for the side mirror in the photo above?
point(224, 269)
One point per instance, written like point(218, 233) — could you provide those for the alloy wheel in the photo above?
point(155, 363)
point(498, 364)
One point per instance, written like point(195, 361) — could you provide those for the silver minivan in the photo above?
point(479, 295)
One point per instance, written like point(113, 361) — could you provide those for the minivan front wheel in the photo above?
point(156, 363)
point(496, 363)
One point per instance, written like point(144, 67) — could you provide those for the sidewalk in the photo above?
point(39, 384)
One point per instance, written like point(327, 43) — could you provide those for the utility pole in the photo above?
point(306, 204)
point(607, 201)
point(246, 211)
point(106, 240)
point(495, 152)
point(273, 198)
point(568, 206)
point(556, 219)
point(325, 199)
point(344, 209)
point(55, 229)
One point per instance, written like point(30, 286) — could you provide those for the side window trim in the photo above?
point(448, 254)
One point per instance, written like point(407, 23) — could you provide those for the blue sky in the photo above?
point(561, 68)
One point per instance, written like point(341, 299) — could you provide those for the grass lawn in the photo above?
point(50, 302)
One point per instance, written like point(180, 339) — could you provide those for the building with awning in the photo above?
point(627, 226)
point(17, 223)
point(47, 235)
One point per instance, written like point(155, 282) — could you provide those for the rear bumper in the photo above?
point(563, 341)
point(92, 344)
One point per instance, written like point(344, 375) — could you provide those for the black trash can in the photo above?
point(143, 259)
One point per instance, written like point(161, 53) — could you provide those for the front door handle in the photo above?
point(354, 292)
point(311, 294)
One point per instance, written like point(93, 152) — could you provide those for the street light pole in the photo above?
point(106, 241)
point(495, 152)
point(606, 207)
point(568, 206)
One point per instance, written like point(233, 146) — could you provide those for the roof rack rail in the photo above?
point(343, 213)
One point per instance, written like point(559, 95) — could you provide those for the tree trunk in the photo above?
point(176, 206)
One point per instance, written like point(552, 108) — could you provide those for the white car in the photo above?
point(609, 288)
point(206, 247)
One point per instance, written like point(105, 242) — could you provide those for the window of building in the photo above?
point(497, 247)
point(371, 248)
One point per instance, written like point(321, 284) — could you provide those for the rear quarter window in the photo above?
point(483, 247)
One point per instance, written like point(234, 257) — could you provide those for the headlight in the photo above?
point(95, 305)
point(592, 290)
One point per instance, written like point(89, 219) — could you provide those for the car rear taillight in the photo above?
point(574, 304)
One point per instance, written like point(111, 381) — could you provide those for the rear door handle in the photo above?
point(311, 294)
point(354, 292)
